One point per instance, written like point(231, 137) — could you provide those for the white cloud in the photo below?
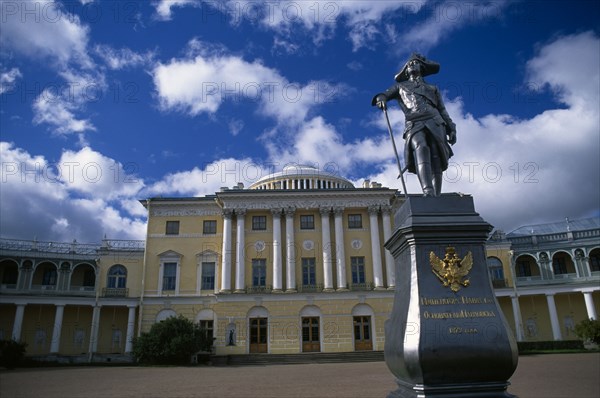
point(235, 126)
point(123, 58)
point(317, 19)
point(95, 175)
point(65, 201)
point(211, 177)
point(44, 29)
point(58, 112)
point(208, 76)
point(444, 18)
point(8, 79)
point(163, 7)
point(59, 107)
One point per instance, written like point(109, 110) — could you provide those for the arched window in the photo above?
point(496, 271)
point(117, 277)
point(595, 260)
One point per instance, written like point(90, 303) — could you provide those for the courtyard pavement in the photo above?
point(543, 376)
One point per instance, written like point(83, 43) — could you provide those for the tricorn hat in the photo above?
point(427, 67)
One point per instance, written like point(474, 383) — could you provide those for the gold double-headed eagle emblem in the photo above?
point(451, 270)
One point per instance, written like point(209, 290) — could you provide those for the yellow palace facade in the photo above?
point(294, 263)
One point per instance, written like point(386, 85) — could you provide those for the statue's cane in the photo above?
point(401, 174)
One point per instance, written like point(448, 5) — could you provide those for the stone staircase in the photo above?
point(303, 358)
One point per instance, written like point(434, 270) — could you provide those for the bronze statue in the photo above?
point(428, 131)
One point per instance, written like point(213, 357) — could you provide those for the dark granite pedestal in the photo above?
point(446, 336)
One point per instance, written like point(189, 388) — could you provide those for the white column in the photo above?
point(130, 327)
point(290, 250)
point(240, 264)
point(389, 259)
point(94, 330)
point(517, 315)
point(226, 253)
point(326, 242)
point(58, 319)
point(375, 247)
point(16, 333)
point(553, 317)
point(277, 260)
point(340, 253)
point(589, 305)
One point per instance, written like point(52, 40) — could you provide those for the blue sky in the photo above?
point(104, 103)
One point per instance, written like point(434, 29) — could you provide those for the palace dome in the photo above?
point(302, 177)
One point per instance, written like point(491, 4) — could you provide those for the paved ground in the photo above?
point(544, 376)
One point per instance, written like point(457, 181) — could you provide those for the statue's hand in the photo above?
point(452, 137)
point(381, 102)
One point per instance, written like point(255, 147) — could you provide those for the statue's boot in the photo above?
point(424, 173)
point(422, 155)
point(437, 184)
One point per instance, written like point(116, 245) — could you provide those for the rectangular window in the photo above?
point(208, 276)
point(358, 269)
point(259, 272)
point(169, 276)
point(354, 221)
point(172, 228)
point(208, 327)
point(259, 223)
point(49, 277)
point(307, 221)
point(209, 227)
point(308, 271)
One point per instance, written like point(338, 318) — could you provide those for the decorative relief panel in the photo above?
point(356, 244)
point(179, 211)
point(308, 245)
point(260, 245)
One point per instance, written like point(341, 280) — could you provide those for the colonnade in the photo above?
point(552, 312)
point(328, 250)
point(58, 323)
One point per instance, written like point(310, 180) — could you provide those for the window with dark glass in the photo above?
point(209, 227)
point(559, 266)
point(354, 221)
point(358, 269)
point(308, 271)
point(307, 221)
point(172, 228)
point(169, 276)
point(117, 277)
point(523, 269)
point(49, 277)
point(208, 327)
point(495, 268)
point(259, 223)
point(259, 272)
point(595, 261)
point(208, 276)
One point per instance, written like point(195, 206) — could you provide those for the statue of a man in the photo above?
point(429, 129)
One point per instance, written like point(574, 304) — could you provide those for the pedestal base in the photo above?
point(481, 390)
point(446, 336)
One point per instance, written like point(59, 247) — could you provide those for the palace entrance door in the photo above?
point(310, 334)
point(362, 333)
point(258, 335)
